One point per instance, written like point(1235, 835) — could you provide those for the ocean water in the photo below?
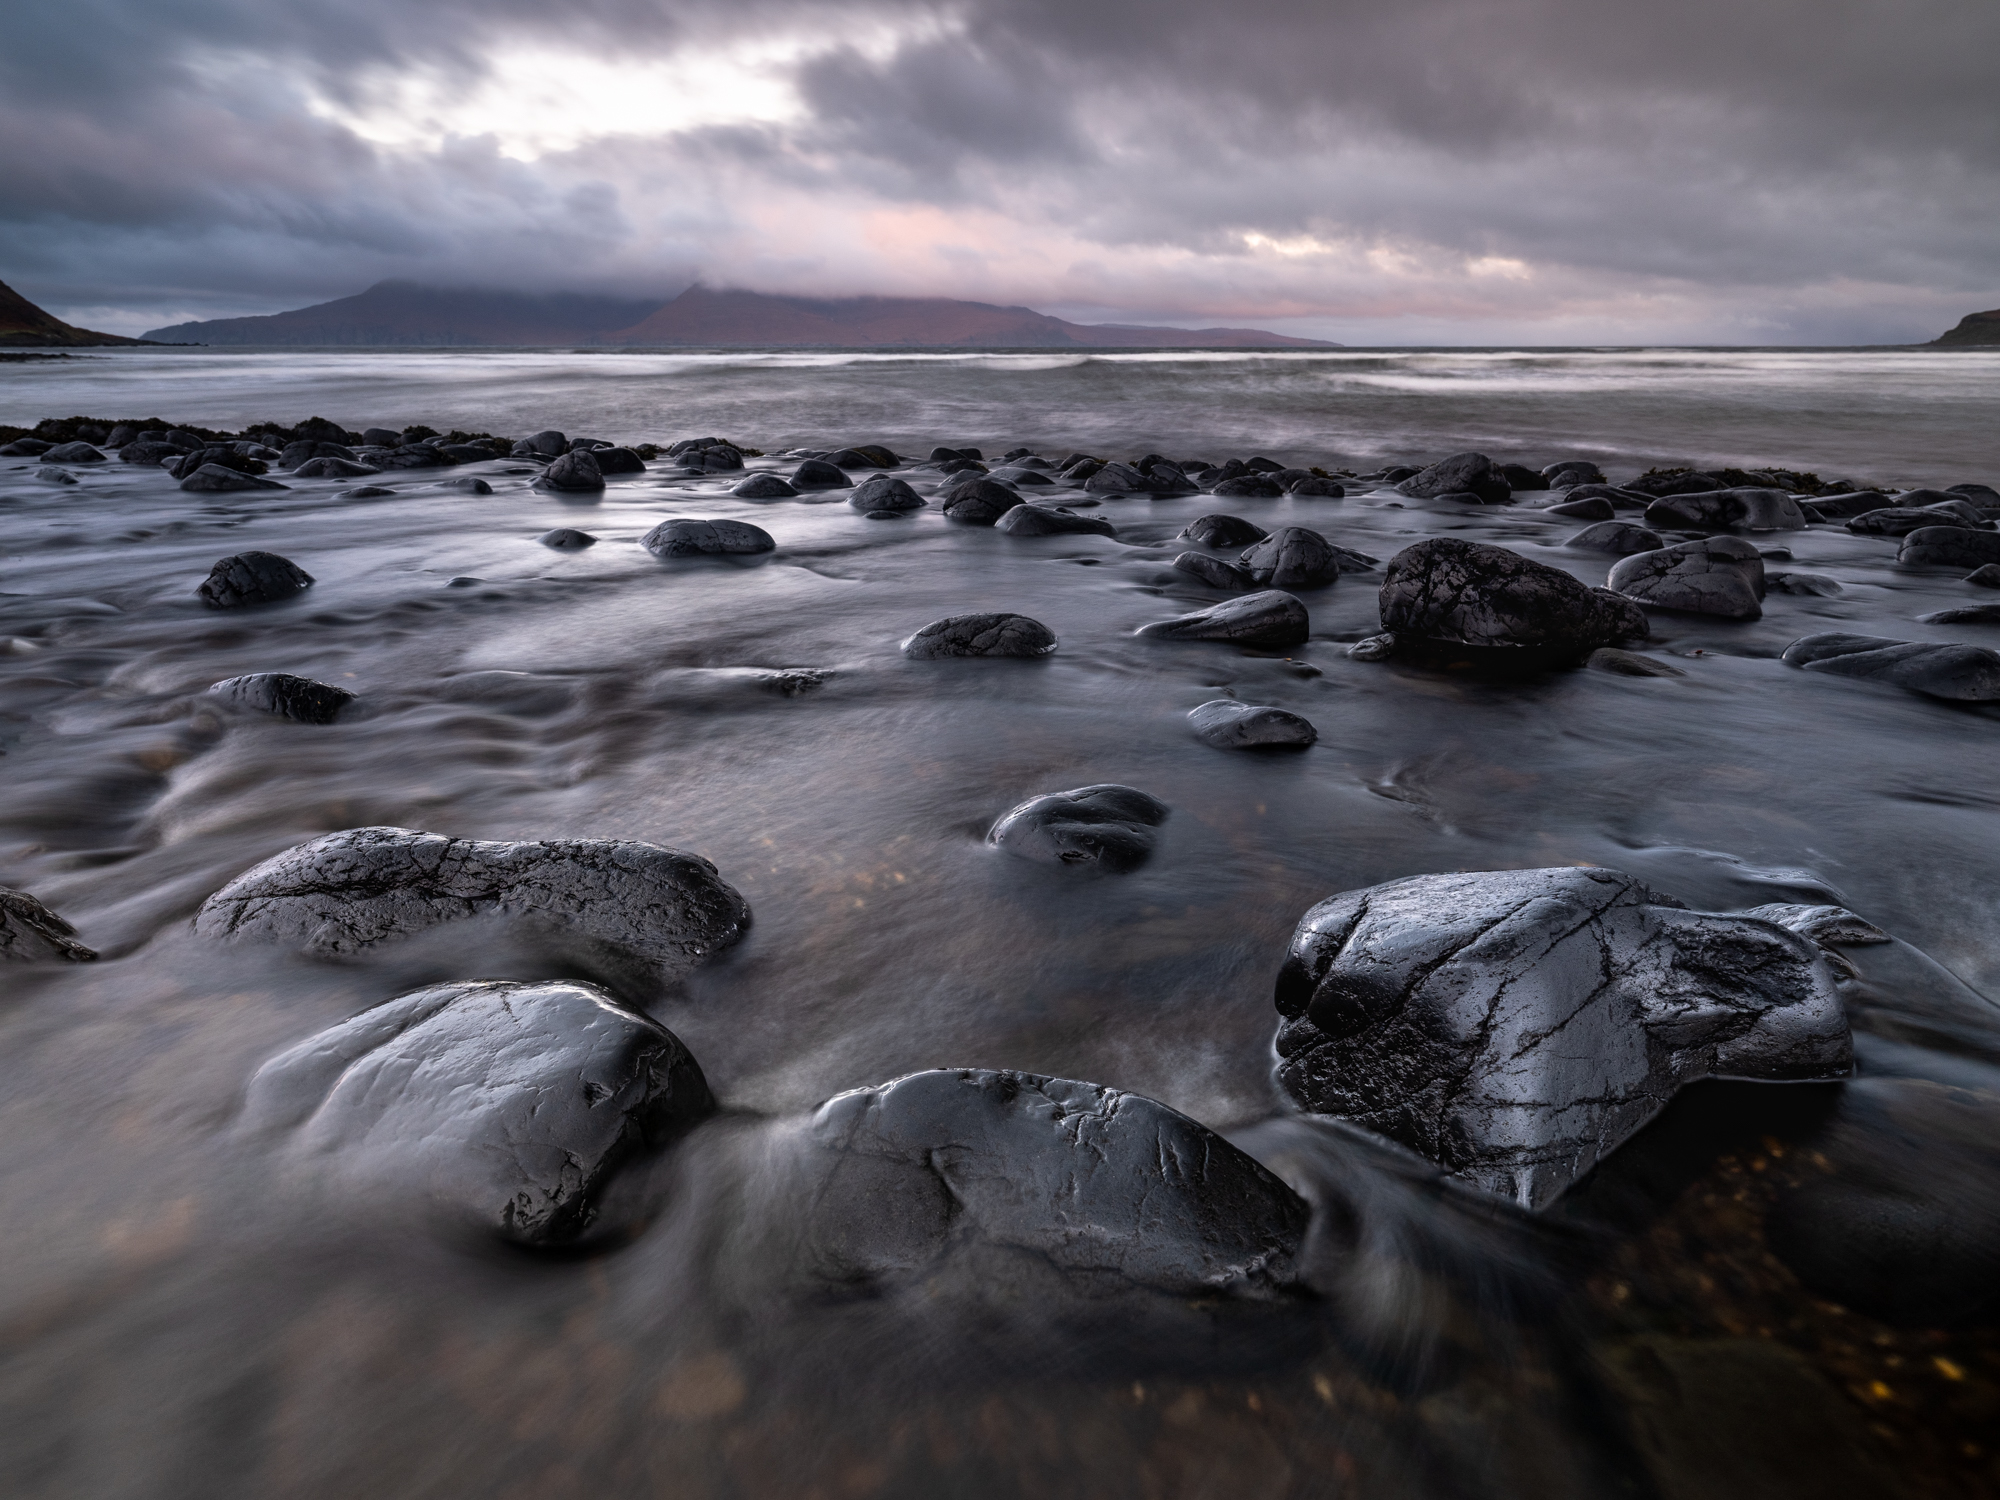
point(187, 1313)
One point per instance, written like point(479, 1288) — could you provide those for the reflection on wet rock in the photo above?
point(1229, 725)
point(1937, 669)
point(1270, 618)
point(252, 578)
point(1105, 1186)
point(1107, 825)
point(30, 932)
point(346, 892)
point(981, 635)
point(505, 1107)
point(1515, 1026)
point(300, 699)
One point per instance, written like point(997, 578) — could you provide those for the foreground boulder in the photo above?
point(1749, 509)
point(346, 892)
point(1462, 474)
point(1937, 669)
point(1453, 592)
point(500, 1107)
point(1271, 617)
point(1949, 547)
point(299, 699)
point(1229, 725)
point(998, 634)
point(1107, 825)
point(1102, 1185)
point(685, 537)
point(30, 932)
point(252, 578)
point(1515, 1026)
point(1722, 576)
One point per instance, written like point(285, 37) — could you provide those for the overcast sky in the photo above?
point(1376, 171)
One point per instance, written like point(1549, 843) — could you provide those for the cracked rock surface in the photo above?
point(1106, 825)
point(347, 891)
point(1718, 575)
point(998, 634)
point(1475, 594)
point(30, 932)
point(1937, 669)
point(1106, 1185)
point(300, 699)
point(252, 578)
point(1515, 1026)
point(1297, 557)
point(503, 1106)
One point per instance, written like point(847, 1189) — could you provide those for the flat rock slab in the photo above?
point(1937, 669)
point(998, 634)
point(1271, 617)
point(1229, 725)
point(1475, 594)
point(1107, 826)
point(1721, 576)
point(1514, 1026)
point(501, 1107)
point(252, 578)
point(685, 537)
point(31, 933)
point(346, 892)
point(299, 699)
point(1106, 1186)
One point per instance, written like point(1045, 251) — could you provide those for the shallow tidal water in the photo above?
point(179, 1318)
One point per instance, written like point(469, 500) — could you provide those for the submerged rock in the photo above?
point(980, 635)
point(567, 539)
point(1515, 1026)
point(1248, 487)
point(504, 1108)
point(1963, 674)
point(1462, 474)
point(252, 578)
point(30, 932)
point(882, 492)
point(346, 892)
point(214, 479)
point(1630, 663)
point(1619, 537)
point(48, 474)
point(1722, 576)
point(300, 699)
point(1051, 520)
point(1986, 576)
point(1271, 617)
point(1590, 508)
point(1462, 593)
point(1221, 531)
point(1976, 614)
point(686, 537)
point(1106, 825)
point(1099, 1184)
point(1229, 725)
point(762, 486)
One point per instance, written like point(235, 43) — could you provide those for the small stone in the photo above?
point(1229, 725)
point(467, 486)
point(1816, 585)
point(567, 539)
point(1595, 508)
point(1374, 648)
point(1269, 618)
point(685, 537)
point(252, 578)
point(981, 635)
point(1630, 663)
point(982, 502)
point(299, 699)
point(30, 932)
point(333, 468)
point(1106, 826)
point(1986, 576)
point(55, 476)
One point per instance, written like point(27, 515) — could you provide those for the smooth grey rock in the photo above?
point(1676, 482)
point(467, 486)
point(686, 537)
point(346, 892)
point(211, 479)
point(499, 1107)
point(1051, 520)
point(1311, 486)
point(1962, 674)
point(297, 698)
point(252, 578)
point(1017, 476)
point(1106, 825)
point(1630, 663)
point(1514, 1026)
point(1462, 473)
point(1373, 648)
point(26, 447)
point(1221, 531)
point(381, 437)
point(1296, 557)
point(762, 486)
point(1474, 594)
point(980, 635)
point(1986, 576)
point(1270, 617)
point(31, 933)
point(367, 492)
point(1721, 575)
point(1949, 547)
point(1611, 494)
point(1977, 614)
point(981, 502)
point(575, 471)
point(1747, 509)
point(883, 492)
point(1229, 725)
point(1900, 521)
point(1116, 479)
point(567, 539)
point(818, 474)
point(1621, 538)
point(73, 453)
point(1520, 477)
point(548, 443)
point(333, 468)
point(1101, 1185)
point(1214, 572)
point(1980, 495)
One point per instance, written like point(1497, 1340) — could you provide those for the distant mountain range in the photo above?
point(25, 326)
point(404, 313)
point(1975, 330)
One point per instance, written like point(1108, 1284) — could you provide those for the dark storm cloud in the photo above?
point(1831, 169)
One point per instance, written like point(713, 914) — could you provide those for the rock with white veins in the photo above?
point(1515, 1026)
point(346, 892)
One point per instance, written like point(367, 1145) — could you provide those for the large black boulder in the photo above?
point(1937, 669)
point(252, 578)
point(1108, 1188)
point(1719, 510)
point(299, 699)
point(497, 1107)
point(1051, 520)
point(980, 635)
point(1462, 473)
point(1463, 593)
point(31, 933)
point(686, 537)
point(1106, 826)
point(1515, 1026)
point(1270, 617)
point(1718, 575)
point(347, 892)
